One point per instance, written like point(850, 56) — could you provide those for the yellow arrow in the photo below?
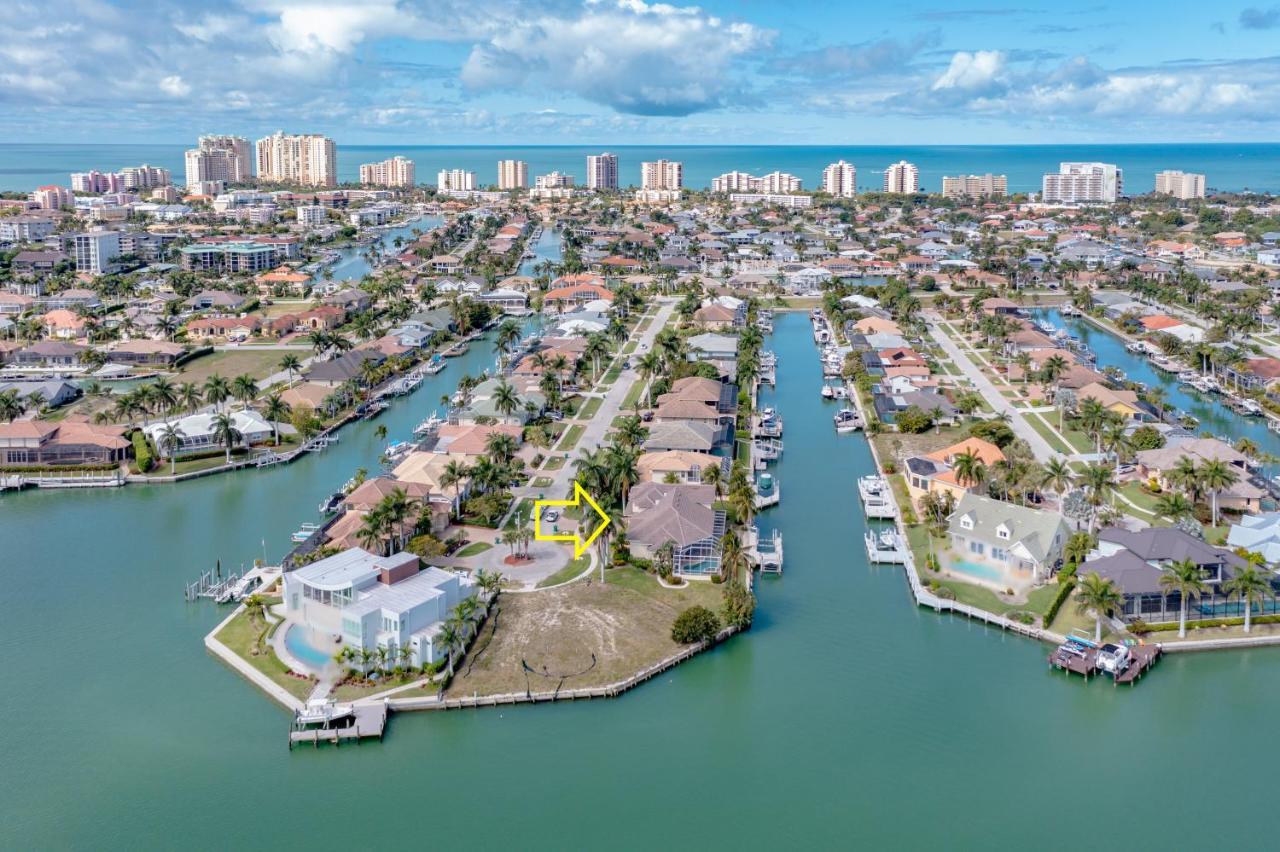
point(579, 494)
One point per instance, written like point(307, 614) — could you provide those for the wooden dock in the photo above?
point(367, 720)
point(1085, 662)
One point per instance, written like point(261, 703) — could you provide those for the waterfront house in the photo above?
point(346, 366)
point(683, 435)
point(41, 392)
point(198, 433)
point(351, 300)
point(374, 602)
point(38, 442)
point(1136, 561)
point(307, 395)
point(150, 353)
point(934, 473)
point(470, 440)
point(49, 353)
point(1258, 534)
point(682, 516)
point(713, 347)
point(572, 296)
point(681, 465)
point(1027, 542)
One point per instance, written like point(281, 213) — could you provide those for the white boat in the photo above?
point(239, 590)
point(847, 420)
point(828, 392)
point(876, 499)
point(887, 546)
point(396, 449)
point(304, 532)
point(428, 426)
point(1250, 407)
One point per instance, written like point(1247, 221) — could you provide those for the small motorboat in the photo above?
point(847, 420)
point(828, 392)
point(1250, 408)
point(304, 532)
point(331, 503)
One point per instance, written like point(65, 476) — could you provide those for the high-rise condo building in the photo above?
point(513, 174)
point(773, 183)
point(975, 186)
point(53, 197)
point(96, 181)
point(397, 171)
point(602, 171)
point(1083, 182)
point(307, 159)
point(840, 179)
point(661, 174)
point(219, 158)
point(455, 179)
point(1181, 185)
point(144, 177)
point(96, 251)
point(902, 177)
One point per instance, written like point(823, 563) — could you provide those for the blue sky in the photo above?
point(631, 71)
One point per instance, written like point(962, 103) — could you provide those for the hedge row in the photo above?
point(96, 467)
point(1142, 627)
point(1064, 592)
point(142, 454)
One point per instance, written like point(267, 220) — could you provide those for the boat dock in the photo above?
point(765, 553)
point(1084, 661)
point(334, 723)
point(886, 547)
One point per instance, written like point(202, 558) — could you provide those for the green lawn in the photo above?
point(542, 481)
point(613, 374)
point(572, 569)
point(571, 436)
point(1042, 426)
point(694, 592)
point(633, 395)
point(1137, 495)
point(518, 518)
point(241, 637)
point(230, 364)
point(554, 463)
point(589, 410)
point(475, 548)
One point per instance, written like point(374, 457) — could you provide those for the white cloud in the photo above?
point(971, 71)
point(639, 58)
point(174, 85)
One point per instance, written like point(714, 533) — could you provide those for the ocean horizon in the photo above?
point(1226, 166)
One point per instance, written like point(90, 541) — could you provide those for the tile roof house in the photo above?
point(39, 442)
point(680, 515)
point(682, 435)
point(1024, 541)
point(683, 465)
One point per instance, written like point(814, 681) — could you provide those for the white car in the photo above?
point(551, 516)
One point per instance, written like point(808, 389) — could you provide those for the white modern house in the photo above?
point(375, 601)
point(198, 432)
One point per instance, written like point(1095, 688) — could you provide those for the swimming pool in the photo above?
point(299, 645)
point(975, 569)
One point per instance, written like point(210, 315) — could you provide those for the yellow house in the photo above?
point(1123, 402)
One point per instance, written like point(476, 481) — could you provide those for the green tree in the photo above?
point(225, 432)
point(695, 625)
point(1101, 597)
point(1187, 579)
point(1251, 586)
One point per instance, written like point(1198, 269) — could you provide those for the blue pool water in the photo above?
point(299, 645)
point(974, 569)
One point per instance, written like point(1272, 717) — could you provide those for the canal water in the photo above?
point(846, 717)
point(546, 247)
point(1214, 416)
point(353, 266)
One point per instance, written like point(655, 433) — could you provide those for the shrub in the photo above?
point(1064, 592)
point(890, 467)
point(914, 420)
point(739, 607)
point(142, 454)
point(695, 624)
point(426, 546)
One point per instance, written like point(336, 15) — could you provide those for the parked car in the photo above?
point(550, 516)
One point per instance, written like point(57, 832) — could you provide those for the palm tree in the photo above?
point(1187, 579)
point(649, 365)
point(373, 529)
point(1116, 441)
point(189, 398)
point(1186, 475)
point(448, 639)
point(1098, 483)
point(505, 399)
point(11, 407)
point(501, 446)
point(623, 471)
point(275, 409)
point(1215, 476)
point(290, 363)
point(1057, 476)
point(1174, 506)
point(507, 336)
point(244, 388)
point(1092, 416)
point(1251, 586)
point(225, 432)
point(170, 440)
point(164, 396)
point(733, 558)
point(969, 469)
point(1101, 597)
point(454, 474)
point(631, 432)
point(713, 476)
point(216, 391)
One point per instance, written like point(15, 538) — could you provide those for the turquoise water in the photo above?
point(977, 569)
point(546, 247)
point(1227, 166)
point(1214, 416)
point(846, 718)
point(354, 266)
point(298, 644)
